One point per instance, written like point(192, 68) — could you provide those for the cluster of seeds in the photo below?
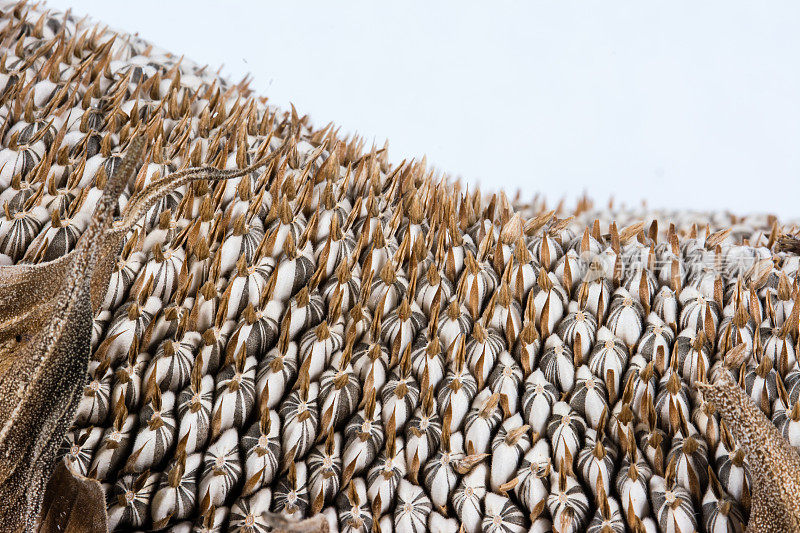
point(332, 334)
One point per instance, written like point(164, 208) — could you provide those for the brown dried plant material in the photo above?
point(44, 355)
point(29, 285)
point(789, 243)
point(73, 504)
point(333, 255)
point(46, 315)
point(774, 464)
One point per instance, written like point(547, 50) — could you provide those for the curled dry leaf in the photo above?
point(44, 355)
point(46, 315)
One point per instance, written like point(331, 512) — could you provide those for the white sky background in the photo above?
point(681, 104)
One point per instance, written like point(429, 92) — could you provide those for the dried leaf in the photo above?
point(73, 504)
point(45, 330)
point(44, 356)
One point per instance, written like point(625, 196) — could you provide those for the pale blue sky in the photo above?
point(683, 104)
